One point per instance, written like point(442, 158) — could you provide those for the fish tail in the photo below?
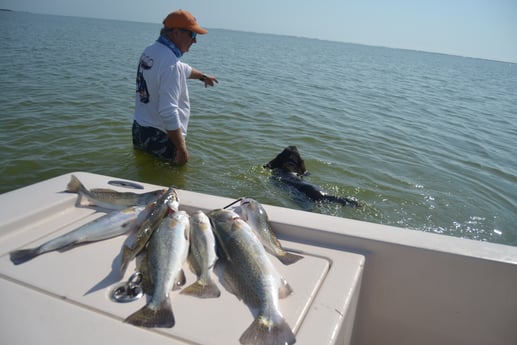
point(285, 289)
point(127, 255)
point(20, 256)
point(153, 317)
point(180, 280)
point(263, 331)
point(75, 186)
point(289, 258)
point(198, 289)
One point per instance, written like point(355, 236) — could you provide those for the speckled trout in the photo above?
point(255, 215)
point(166, 253)
point(146, 224)
point(111, 199)
point(202, 257)
point(113, 224)
point(252, 277)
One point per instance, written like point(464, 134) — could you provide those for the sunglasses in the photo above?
point(193, 34)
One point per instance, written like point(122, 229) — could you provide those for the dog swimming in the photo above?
point(288, 167)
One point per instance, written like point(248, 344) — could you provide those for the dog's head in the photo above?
point(288, 160)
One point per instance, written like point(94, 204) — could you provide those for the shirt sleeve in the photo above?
point(169, 95)
point(186, 68)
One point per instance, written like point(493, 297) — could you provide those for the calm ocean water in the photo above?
point(427, 141)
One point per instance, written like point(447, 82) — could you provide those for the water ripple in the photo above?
point(425, 141)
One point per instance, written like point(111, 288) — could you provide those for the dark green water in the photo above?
point(425, 140)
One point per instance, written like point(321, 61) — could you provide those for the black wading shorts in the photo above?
point(153, 141)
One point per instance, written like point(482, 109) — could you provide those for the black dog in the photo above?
point(289, 167)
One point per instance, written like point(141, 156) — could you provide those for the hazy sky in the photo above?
point(476, 28)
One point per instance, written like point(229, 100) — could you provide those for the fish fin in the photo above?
point(147, 284)
point(180, 280)
point(285, 289)
point(223, 270)
point(127, 255)
point(74, 186)
point(289, 258)
point(220, 251)
point(70, 245)
point(198, 289)
point(143, 268)
point(151, 317)
point(104, 190)
point(192, 262)
point(23, 255)
point(263, 331)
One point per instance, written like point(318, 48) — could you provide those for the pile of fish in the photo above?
point(165, 238)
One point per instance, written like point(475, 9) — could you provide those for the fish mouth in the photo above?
point(233, 203)
point(245, 201)
point(173, 205)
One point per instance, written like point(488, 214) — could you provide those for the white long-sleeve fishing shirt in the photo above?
point(162, 99)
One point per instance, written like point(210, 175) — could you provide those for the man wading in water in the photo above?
point(162, 105)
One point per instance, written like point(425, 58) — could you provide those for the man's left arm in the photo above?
point(209, 80)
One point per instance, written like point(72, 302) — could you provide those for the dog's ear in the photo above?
point(298, 167)
point(278, 161)
point(288, 160)
point(301, 168)
point(295, 161)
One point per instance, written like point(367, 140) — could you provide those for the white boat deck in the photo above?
point(60, 295)
point(359, 283)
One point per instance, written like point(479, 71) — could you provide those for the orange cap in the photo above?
point(182, 19)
